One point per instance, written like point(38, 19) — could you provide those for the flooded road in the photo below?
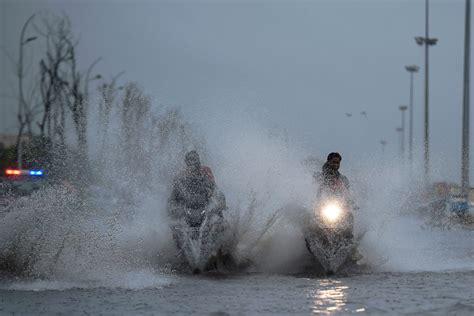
point(68, 258)
point(433, 293)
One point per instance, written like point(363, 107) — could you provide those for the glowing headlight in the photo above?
point(331, 212)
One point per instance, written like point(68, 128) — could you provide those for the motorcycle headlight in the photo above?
point(331, 212)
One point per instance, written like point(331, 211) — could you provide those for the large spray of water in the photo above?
point(114, 230)
point(404, 232)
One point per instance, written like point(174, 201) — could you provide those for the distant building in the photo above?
point(7, 140)
point(456, 191)
point(444, 189)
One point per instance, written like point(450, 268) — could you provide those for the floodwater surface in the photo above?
point(432, 293)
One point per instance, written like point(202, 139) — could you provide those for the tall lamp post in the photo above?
point(427, 42)
point(411, 69)
point(400, 139)
point(465, 112)
point(403, 108)
point(383, 143)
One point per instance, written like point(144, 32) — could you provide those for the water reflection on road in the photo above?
point(416, 293)
point(331, 297)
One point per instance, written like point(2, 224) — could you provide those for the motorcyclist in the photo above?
point(333, 184)
point(332, 240)
point(193, 188)
point(196, 207)
point(331, 181)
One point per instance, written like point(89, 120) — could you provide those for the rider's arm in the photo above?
point(346, 182)
point(350, 199)
point(176, 196)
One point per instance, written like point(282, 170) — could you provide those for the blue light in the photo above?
point(36, 172)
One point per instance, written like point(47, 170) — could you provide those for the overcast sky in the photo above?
point(298, 65)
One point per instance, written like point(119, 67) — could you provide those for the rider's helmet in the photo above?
point(192, 159)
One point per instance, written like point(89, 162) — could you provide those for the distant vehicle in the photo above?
point(17, 183)
point(458, 205)
point(13, 173)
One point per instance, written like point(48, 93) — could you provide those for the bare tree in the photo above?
point(24, 109)
point(76, 103)
point(54, 68)
point(108, 93)
point(135, 115)
point(63, 86)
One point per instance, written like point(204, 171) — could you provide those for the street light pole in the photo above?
point(426, 41)
point(411, 69)
point(383, 143)
point(400, 140)
point(403, 108)
point(465, 112)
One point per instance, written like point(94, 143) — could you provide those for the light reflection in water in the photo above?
point(331, 297)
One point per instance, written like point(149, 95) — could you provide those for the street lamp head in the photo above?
point(399, 129)
point(412, 68)
point(383, 142)
point(432, 41)
point(403, 107)
point(420, 40)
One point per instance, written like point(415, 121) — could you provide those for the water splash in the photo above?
point(116, 228)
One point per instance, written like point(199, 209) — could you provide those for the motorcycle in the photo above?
point(200, 234)
point(329, 235)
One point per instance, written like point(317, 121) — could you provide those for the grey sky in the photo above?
point(300, 65)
